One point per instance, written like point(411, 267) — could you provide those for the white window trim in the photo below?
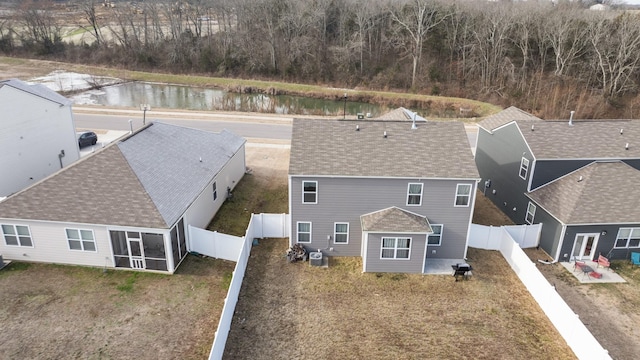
point(395, 248)
point(421, 192)
point(468, 196)
point(298, 232)
point(440, 236)
point(93, 235)
point(17, 236)
point(626, 246)
point(336, 233)
point(532, 213)
point(315, 192)
point(524, 165)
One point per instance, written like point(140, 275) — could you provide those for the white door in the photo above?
point(584, 246)
point(135, 252)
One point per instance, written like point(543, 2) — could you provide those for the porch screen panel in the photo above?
point(174, 245)
point(154, 254)
point(182, 239)
point(119, 246)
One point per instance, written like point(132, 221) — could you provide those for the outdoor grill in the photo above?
point(463, 270)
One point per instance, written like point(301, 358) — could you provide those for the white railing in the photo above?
point(568, 324)
point(260, 226)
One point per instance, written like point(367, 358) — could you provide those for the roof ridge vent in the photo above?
point(571, 118)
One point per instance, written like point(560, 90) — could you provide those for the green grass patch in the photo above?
point(226, 280)
point(127, 286)
point(18, 266)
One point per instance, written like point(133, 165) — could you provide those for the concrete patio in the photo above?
point(608, 275)
point(441, 266)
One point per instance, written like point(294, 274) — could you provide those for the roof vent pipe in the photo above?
point(571, 118)
point(621, 131)
point(533, 127)
point(413, 125)
point(357, 127)
point(626, 146)
point(580, 179)
point(384, 135)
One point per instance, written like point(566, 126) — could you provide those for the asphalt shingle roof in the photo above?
point(599, 193)
point(147, 180)
point(504, 117)
point(335, 148)
point(585, 139)
point(394, 219)
point(37, 90)
point(400, 114)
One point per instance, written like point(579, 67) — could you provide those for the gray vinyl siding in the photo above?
point(343, 199)
point(605, 242)
point(414, 264)
point(498, 158)
point(549, 170)
point(551, 231)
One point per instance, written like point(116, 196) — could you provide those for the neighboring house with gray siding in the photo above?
point(393, 193)
point(524, 162)
point(129, 205)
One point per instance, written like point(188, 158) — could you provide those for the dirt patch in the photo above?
point(63, 312)
point(610, 311)
point(297, 311)
point(486, 213)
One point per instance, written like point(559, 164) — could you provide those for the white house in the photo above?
point(37, 134)
point(129, 205)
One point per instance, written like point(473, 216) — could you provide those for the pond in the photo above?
point(133, 94)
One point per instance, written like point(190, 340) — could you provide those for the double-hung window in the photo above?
point(463, 194)
point(304, 232)
point(524, 168)
point(309, 192)
point(414, 194)
point(628, 238)
point(341, 233)
point(17, 235)
point(395, 248)
point(435, 239)
point(80, 239)
point(531, 213)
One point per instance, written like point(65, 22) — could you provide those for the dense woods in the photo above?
point(546, 57)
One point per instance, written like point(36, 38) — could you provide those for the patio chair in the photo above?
point(577, 266)
point(635, 258)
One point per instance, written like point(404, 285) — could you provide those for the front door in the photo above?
point(584, 247)
point(135, 249)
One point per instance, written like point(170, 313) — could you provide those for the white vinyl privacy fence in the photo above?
point(568, 324)
point(260, 226)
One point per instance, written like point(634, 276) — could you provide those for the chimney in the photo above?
point(571, 118)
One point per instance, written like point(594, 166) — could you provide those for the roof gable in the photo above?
point(37, 90)
point(504, 117)
point(175, 163)
point(394, 219)
point(359, 148)
point(599, 193)
point(400, 114)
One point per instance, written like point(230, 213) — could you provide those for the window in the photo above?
point(304, 232)
point(79, 239)
point(435, 239)
point(341, 233)
point(17, 235)
point(215, 191)
point(531, 213)
point(524, 168)
point(395, 248)
point(309, 192)
point(414, 194)
point(463, 194)
point(628, 238)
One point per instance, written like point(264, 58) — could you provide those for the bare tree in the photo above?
point(89, 10)
point(40, 26)
point(567, 35)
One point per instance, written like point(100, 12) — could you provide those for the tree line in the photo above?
point(544, 56)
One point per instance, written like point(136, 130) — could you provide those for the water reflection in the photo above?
point(182, 97)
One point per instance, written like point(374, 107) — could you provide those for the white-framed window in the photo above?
point(81, 239)
point(524, 168)
point(17, 235)
point(414, 194)
point(531, 213)
point(303, 232)
point(341, 233)
point(395, 248)
point(435, 239)
point(215, 191)
point(628, 238)
point(463, 195)
point(309, 192)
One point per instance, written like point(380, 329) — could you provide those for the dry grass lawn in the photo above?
point(294, 311)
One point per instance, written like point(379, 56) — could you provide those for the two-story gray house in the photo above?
point(393, 192)
point(579, 178)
